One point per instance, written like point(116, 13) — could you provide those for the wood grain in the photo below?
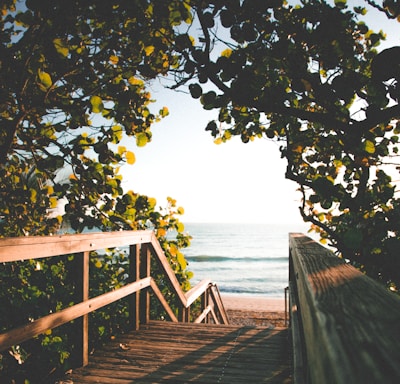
point(351, 324)
point(164, 352)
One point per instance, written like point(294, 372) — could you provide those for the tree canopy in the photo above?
point(74, 79)
point(311, 76)
point(73, 84)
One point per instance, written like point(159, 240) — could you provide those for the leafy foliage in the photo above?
point(73, 95)
point(310, 76)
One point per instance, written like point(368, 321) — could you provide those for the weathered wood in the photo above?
point(145, 265)
point(134, 275)
point(81, 326)
point(20, 334)
point(34, 247)
point(162, 259)
point(141, 243)
point(164, 352)
point(193, 294)
point(216, 298)
point(351, 324)
point(162, 300)
point(297, 346)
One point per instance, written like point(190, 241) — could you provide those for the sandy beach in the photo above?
point(249, 310)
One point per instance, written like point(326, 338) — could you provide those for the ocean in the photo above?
point(242, 259)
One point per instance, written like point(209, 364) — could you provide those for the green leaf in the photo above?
point(340, 3)
point(353, 238)
point(141, 139)
point(369, 146)
point(195, 90)
point(97, 104)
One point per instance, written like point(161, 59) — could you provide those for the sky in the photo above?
point(231, 182)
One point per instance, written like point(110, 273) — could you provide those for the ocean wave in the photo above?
point(209, 258)
point(271, 291)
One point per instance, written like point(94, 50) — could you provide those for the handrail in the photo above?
point(142, 245)
point(346, 326)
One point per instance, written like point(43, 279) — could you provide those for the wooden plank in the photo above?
point(162, 300)
point(134, 275)
point(160, 255)
point(26, 332)
point(199, 289)
point(351, 324)
point(81, 325)
point(297, 343)
point(216, 297)
point(164, 352)
point(34, 247)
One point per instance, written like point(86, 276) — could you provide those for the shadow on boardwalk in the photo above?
point(164, 352)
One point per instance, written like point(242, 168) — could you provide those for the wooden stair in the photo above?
point(165, 352)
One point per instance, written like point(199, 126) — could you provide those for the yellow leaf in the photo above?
point(149, 50)
point(114, 59)
point(135, 81)
point(218, 140)
point(164, 112)
point(45, 80)
point(369, 146)
point(97, 104)
point(50, 190)
point(33, 195)
point(161, 232)
point(181, 260)
point(227, 135)
point(53, 202)
point(152, 202)
point(121, 149)
point(227, 52)
point(60, 47)
point(181, 211)
point(173, 249)
point(130, 157)
point(181, 227)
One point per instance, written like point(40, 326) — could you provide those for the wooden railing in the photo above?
point(142, 245)
point(346, 326)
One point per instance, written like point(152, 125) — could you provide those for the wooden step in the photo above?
point(165, 352)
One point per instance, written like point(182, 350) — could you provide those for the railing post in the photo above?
point(145, 294)
point(204, 303)
point(134, 275)
point(81, 273)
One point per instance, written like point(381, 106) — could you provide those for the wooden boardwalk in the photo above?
point(164, 352)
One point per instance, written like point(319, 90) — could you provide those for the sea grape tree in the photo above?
point(73, 84)
point(310, 75)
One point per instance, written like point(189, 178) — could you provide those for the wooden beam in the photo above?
point(351, 323)
point(193, 294)
point(162, 300)
point(26, 332)
point(34, 247)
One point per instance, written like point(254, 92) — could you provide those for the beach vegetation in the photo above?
point(314, 77)
point(74, 90)
point(74, 105)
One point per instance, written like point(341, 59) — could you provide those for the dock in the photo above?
point(166, 352)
